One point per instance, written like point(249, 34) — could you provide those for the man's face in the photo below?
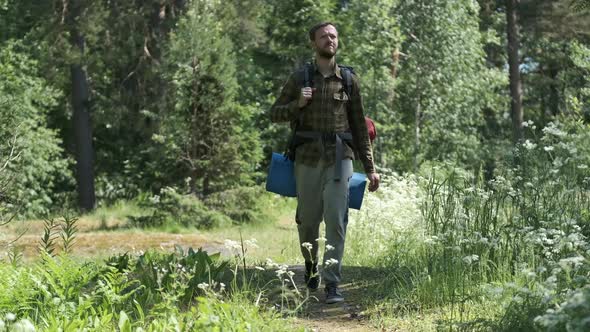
point(326, 41)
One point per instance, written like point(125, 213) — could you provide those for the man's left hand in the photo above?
point(373, 181)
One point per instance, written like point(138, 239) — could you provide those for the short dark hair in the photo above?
point(316, 27)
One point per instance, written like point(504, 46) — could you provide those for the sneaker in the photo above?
point(312, 278)
point(333, 295)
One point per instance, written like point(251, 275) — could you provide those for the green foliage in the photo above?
point(177, 274)
point(580, 4)
point(518, 243)
point(370, 36)
point(205, 129)
point(171, 207)
point(576, 81)
point(444, 84)
point(174, 208)
point(241, 205)
point(26, 100)
point(154, 291)
point(572, 315)
point(288, 23)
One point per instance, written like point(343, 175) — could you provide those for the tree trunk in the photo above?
point(514, 70)
point(81, 118)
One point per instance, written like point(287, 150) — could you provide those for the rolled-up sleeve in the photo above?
point(358, 127)
point(286, 107)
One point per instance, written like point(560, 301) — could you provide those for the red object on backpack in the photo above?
point(371, 128)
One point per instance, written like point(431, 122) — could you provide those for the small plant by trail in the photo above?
point(62, 229)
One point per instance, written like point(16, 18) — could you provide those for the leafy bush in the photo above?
point(172, 272)
point(150, 291)
point(171, 207)
point(25, 100)
point(571, 315)
point(242, 204)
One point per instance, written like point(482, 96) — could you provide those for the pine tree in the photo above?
point(204, 128)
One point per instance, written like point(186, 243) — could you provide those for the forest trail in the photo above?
point(111, 238)
point(318, 316)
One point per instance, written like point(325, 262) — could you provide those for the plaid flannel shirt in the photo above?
point(327, 113)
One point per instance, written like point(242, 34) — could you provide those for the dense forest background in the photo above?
point(108, 100)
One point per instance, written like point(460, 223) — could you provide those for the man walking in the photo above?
point(328, 121)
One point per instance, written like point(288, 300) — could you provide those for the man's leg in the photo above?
point(309, 208)
point(336, 218)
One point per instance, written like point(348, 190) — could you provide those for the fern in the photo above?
point(47, 244)
point(68, 233)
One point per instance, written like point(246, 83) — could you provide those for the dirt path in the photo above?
point(92, 241)
point(318, 316)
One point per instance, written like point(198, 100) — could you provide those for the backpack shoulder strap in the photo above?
point(347, 73)
point(305, 75)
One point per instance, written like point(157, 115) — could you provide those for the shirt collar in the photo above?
point(336, 72)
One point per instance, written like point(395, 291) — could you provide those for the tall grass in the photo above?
point(517, 244)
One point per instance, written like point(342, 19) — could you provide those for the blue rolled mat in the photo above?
point(281, 176)
point(356, 190)
point(281, 180)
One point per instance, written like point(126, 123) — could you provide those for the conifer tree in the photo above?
point(204, 128)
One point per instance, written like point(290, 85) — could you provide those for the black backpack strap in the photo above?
point(346, 73)
point(305, 80)
point(308, 70)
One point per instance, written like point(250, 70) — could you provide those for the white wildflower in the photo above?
point(330, 262)
point(270, 263)
point(307, 245)
point(582, 166)
point(528, 273)
point(529, 145)
point(290, 273)
point(24, 325)
point(10, 317)
point(320, 240)
point(551, 129)
point(470, 259)
point(575, 262)
point(252, 243)
point(232, 245)
point(155, 199)
point(549, 148)
point(203, 285)
point(329, 247)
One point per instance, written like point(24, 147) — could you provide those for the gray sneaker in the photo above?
point(333, 295)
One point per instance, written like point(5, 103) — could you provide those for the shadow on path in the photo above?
point(358, 288)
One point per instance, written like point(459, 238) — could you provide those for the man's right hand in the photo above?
point(305, 96)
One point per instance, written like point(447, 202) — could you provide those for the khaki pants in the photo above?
point(320, 197)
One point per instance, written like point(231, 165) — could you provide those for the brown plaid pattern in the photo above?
point(326, 113)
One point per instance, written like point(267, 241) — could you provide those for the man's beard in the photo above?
point(326, 53)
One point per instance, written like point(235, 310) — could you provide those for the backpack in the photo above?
point(346, 73)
